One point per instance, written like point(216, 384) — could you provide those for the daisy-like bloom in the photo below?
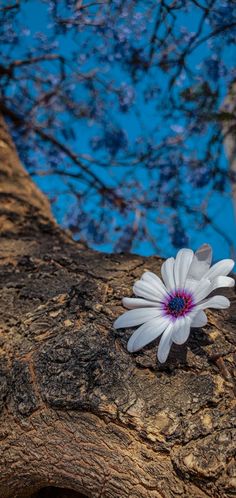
point(170, 307)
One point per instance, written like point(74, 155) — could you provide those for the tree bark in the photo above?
point(229, 132)
point(77, 410)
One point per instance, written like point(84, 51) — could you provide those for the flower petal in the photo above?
point(148, 291)
point(202, 290)
point(165, 344)
point(181, 267)
point(200, 320)
point(206, 286)
point(181, 330)
point(201, 262)
point(204, 253)
point(154, 280)
point(219, 282)
point(135, 317)
point(220, 302)
point(147, 333)
point(167, 273)
point(135, 302)
point(191, 284)
point(221, 268)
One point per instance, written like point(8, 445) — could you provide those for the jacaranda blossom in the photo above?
point(170, 308)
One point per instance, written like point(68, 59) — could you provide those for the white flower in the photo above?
point(169, 309)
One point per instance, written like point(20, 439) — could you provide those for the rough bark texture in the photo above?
point(229, 132)
point(79, 412)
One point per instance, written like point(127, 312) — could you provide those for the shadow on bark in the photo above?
point(53, 492)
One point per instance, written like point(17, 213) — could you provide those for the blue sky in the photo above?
point(220, 205)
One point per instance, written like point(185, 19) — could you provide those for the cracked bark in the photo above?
point(77, 411)
point(229, 133)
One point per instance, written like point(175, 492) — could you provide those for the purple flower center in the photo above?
point(178, 304)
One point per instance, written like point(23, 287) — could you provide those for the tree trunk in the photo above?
point(78, 411)
point(229, 132)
